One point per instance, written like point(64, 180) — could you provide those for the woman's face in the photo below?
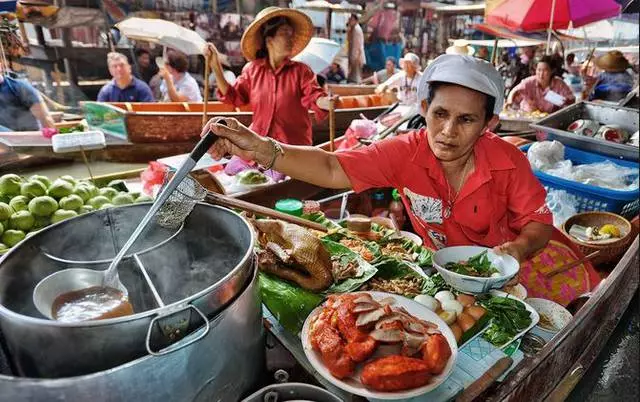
point(390, 65)
point(543, 74)
point(281, 44)
point(455, 120)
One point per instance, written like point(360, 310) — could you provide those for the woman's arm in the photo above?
point(533, 237)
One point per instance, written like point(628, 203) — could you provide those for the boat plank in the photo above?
point(536, 377)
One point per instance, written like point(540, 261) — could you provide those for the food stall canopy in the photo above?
point(502, 32)
point(442, 8)
point(504, 42)
point(164, 33)
point(539, 15)
point(322, 5)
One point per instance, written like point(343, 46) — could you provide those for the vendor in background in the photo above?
point(335, 75)
point(357, 58)
point(124, 87)
point(541, 92)
point(570, 64)
point(146, 66)
point(460, 183)
point(614, 82)
point(383, 75)
point(177, 84)
point(280, 91)
point(405, 81)
point(21, 107)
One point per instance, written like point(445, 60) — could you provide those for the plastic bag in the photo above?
point(562, 205)
point(602, 174)
point(543, 155)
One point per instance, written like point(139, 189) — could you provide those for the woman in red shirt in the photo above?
point(280, 91)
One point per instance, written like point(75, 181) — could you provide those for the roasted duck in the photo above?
point(293, 253)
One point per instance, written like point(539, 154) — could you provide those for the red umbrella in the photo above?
point(539, 15)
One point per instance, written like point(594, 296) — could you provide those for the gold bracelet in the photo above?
point(277, 149)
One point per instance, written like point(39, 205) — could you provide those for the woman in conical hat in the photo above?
point(614, 82)
point(280, 91)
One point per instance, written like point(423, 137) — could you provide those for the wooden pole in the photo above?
point(494, 54)
point(553, 11)
point(206, 90)
point(332, 123)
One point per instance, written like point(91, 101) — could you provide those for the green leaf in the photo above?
point(289, 303)
point(367, 271)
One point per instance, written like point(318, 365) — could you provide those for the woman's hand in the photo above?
point(165, 74)
point(211, 52)
point(323, 102)
point(511, 248)
point(236, 139)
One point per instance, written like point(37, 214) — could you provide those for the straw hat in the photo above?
point(613, 61)
point(251, 40)
point(461, 47)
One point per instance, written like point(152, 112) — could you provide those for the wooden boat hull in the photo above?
point(182, 122)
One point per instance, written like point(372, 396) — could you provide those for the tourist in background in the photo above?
point(615, 81)
point(384, 74)
point(357, 57)
point(404, 82)
point(21, 106)
point(147, 67)
point(124, 87)
point(177, 84)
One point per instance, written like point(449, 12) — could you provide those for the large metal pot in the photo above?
point(222, 367)
point(197, 271)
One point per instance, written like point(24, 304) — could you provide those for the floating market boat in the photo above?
point(175, 122)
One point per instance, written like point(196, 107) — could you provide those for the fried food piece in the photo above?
point(326, 340)
point(293, 253)
point(395, 373)
point(359, 344)
point(436, 353)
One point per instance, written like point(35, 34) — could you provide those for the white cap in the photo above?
point(411, 58)
point(466, 71)
point(460, 46)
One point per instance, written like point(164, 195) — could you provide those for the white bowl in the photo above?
point(412, 236)
point(508, 267)
point(553, 312)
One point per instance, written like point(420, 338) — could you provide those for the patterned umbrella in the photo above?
point(539, 15)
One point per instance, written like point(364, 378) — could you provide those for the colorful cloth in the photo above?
point(498, 199)
point(280, 99)
point(529, 95)
point(564, 287)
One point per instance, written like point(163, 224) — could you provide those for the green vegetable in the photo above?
point(122, 199)
point(478, 265)
point(10, 184)
point(5, 211)
point(74, 129)
point(252, 177)
point(85, 209)
point(33, 189)
point(508, 317)
point(434, 284)
point(71, 202)
point(119, 185)
point(62, 214)
point(97, 202)
point(19, 203)
point(60, 188)
point(69, 179)
point(43, 206)
point(289, 303)
point(108, 192)
point(42, 179)
point(12, 237)
point(22, 220)
point(477, 327)
point(84, 191)
point(143, 198)
point(347, 256)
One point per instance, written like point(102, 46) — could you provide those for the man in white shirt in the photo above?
point(177, 84)
point(357, 57)
point(404, 82)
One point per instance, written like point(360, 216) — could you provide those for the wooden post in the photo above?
point(206, 90)
point(332, 122)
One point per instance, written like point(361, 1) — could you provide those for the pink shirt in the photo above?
point(529, 95)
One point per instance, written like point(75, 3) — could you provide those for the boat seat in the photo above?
point(244, 108)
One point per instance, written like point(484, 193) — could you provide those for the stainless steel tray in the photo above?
point(554, 127)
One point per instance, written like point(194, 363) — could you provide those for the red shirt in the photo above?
point(280, 99)
point(499, 197)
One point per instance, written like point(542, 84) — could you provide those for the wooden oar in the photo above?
point(332, 122)
point(206, 91)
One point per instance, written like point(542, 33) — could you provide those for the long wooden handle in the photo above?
point(480, 385)
point(332, 123)
point(206, 90)
point(570, 265)
point(231, 202)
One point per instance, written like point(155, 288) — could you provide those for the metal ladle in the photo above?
point(69, 280)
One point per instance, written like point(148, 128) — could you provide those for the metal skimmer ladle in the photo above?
point(69, 280)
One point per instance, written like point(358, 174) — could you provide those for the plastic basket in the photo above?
point(592, 198)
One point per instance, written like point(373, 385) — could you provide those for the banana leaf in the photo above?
point(345, 254)
point(289, 303)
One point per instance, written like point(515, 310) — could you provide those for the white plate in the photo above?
point(535, 317)
point(353, 384)
point(555, 313)
point(518, 291)
point(412, 236)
